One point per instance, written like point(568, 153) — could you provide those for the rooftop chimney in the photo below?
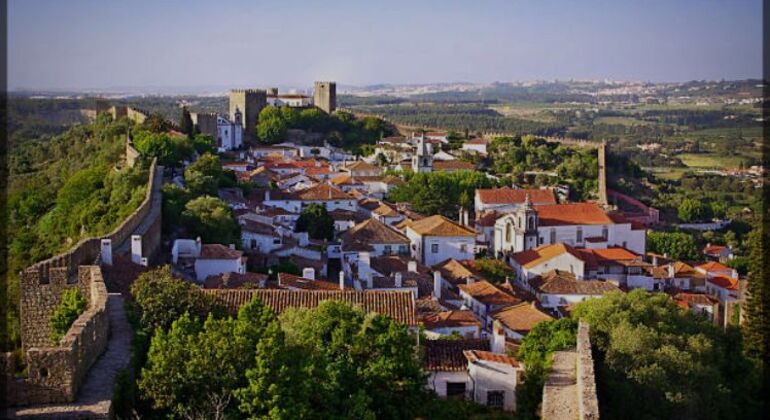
point(107, 251)
point(342, 280)
point(136, 249)
point(437, 284)
point(470, 280)
point(412, 266)
point(399, 280)
point(308, 273)
point(671, 270)
point(497, 344)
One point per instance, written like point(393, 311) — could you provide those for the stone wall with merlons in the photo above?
point(57, 370)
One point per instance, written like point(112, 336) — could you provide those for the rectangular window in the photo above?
point(253, 243)
point(463, 248)
point(553, 236)
point(495, 399)
point(579, 235)
point(455, 389)
point(434, 248)
point(387, 249)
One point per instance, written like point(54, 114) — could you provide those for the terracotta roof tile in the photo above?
point(398, 305)
point(439, 225)
point(572, 214)
point(564, 283)
point(452, 165)
point(724, 282)
point(474, 356)
point(361, 236)
point(232, 280)
point(507, 195)
point(521, 318)
point(488, 293)
point(447, 355)
point(298, 282)
point(219, 252)
point(447, 319)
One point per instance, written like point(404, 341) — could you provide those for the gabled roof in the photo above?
point(521, 318)
point(714, 249)
point(714, 266)
point(385, 210)
point(474, 356)
point(447, 355)
point(439, 225)
point(452, 165)
point(321, 192)
point(448, 319)
point(298, 282)
point(361, 165)
point(361, 236)
point(724, 282)
point(572, 214)
point(507, 195)
point(563, 283)
point(487, 293)
point(248, 225)
point(389, 264)
point(398, 305)
point(454, 271)
point(533, 257)
point(219, 252)
point(691, 299)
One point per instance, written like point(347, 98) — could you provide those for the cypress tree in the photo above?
point(185, 122)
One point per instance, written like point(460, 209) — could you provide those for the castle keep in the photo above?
point(249, 102)
point(325, 96)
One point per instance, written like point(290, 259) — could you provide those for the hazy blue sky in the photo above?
point(101, 44)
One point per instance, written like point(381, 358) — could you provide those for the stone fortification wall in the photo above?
point(87, 250)
point(57, 370)
point(570, 389)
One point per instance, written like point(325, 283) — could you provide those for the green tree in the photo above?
point(691, 210)
point(162, 298)
point(271, 127)
point(535, 351)
point(362, 365)
point(70, 307)
point(193, 370)
point(170, 150)
point(315, 220)
point(204, 143)
point(677, 245)
point(757, 306)
point(656, 360)
point(175, 199)
point(186, 123)
point(212, 220)
point(204, 175)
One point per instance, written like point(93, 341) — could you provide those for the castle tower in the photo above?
point(249, 102)
point(325, 96)
point(422, 160)
point(602, 156)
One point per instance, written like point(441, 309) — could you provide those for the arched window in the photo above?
point(531, 223)
point(508, 232)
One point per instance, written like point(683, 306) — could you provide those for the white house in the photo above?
point(436, 238)
point(259, 237)
point(494, 377)
point(518, 320)
point(374, 237)
point(462, 322)
point(329, 196)
point(576, 224)
point(556, 289)
point(447, 367)
point(218, 259)
point(721, 281)
point(483, 298)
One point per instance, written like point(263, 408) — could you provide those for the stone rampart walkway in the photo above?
point(95, 396)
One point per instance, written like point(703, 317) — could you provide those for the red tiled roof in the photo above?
point(219, 252)
point(687, 299)
point(474, 356)
point(564, 283)
point(713, 249)
point(361, 236)
point(714, 266)
point(452, 165)
point(507, 195)
point(533, 257)
point(450, 319)
point(395, 304)
point(521, 318)
point(724, 282)
point(297, 282)
point(321, 192)
point(488, 293)
point(439, 225)
point(572, 214)
point(447, 355)
point(232, 280)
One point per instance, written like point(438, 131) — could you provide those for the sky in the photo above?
point(80, 44)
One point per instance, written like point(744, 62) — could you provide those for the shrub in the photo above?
point(71, 306)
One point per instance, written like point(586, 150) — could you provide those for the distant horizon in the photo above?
point(91, 45)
